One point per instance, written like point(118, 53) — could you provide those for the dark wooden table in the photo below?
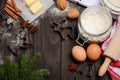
point(55, 38)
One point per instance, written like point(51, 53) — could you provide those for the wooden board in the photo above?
point(55, 38)
point(56, 49)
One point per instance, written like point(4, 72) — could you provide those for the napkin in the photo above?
point(114, 67)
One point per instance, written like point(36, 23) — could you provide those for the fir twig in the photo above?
point(41, 72)
point(24, 70)
point(2, 73)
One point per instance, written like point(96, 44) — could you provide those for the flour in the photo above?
point(95, 22)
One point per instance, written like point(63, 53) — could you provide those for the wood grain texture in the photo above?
point(56, 51)
point(49, 44)
point(2, 5)
point(55, 46)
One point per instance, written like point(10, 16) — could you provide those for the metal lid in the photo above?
point(112, 5)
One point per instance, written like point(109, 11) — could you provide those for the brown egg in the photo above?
point(93, 52)
point(79, 53)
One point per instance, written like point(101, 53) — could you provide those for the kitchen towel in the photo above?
point(114, 67)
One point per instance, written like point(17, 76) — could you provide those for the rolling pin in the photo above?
point(112, 52)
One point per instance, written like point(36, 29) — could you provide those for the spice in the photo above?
point(25, 24)
point(8, 2)
point(73, 67)
point(14, 16)
point(33, 29)
point(14, 5)
point(10, 8)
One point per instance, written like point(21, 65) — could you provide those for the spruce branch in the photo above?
point(37, 78)
point(24, 70)
point(7, 68)
point(41, 72)
point(2, 73)
point(15, 72)
point(34, 60)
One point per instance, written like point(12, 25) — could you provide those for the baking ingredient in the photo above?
point(95, 21)
point(36, 7)
point(33, 29)
point(10, 9)
point(73, 13)
point(30, 2)
point(14, 5)
point(9, 3)
point(25, 24)
point(73, 67)
point(93, 52)
point(62, 4)
point(79, 53)
point(14, 16)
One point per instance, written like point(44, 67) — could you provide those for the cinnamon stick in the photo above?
point(9, 3)
point(12, 14)
point(12, 9)
point(14, 5)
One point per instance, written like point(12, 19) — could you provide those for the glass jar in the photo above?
point(94, 24)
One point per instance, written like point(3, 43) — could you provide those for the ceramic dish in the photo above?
point(112, 5)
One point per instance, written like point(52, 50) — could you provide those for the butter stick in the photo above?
point(30, 2)
point(36, 7)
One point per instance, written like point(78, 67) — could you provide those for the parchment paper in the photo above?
point(26, 13)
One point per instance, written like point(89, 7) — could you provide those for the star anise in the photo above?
point(73, 67)
point(25, 24)
point(32, 29)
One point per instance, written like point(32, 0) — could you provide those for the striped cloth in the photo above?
point(114, 67)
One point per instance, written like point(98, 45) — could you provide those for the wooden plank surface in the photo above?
point(56, 46)
point(55, 38)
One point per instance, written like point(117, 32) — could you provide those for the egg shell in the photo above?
point(79, 53)
point(93, 52)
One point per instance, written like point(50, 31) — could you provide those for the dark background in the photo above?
point(55, 38)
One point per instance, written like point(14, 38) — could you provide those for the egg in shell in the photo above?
point(93, 52)
point(79, 53)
